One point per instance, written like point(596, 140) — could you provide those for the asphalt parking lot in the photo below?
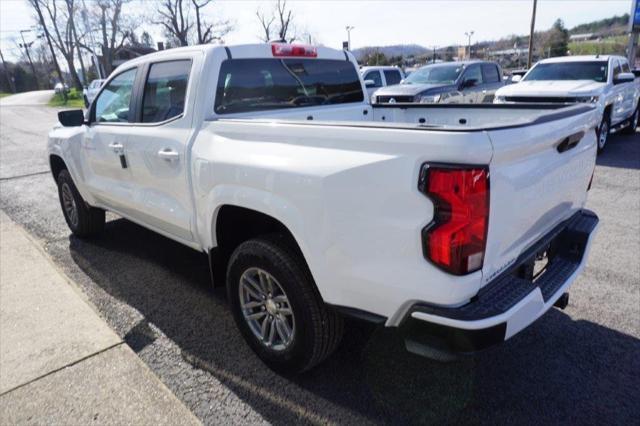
point(581, 365)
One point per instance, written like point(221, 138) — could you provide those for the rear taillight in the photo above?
point(281, 50)
point(456, 238)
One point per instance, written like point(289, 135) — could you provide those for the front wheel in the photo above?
point(277, 307)
point(603, 132)
point(83, 220)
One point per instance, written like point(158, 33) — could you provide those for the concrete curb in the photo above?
point(59, 361)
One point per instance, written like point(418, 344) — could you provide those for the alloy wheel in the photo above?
point(69, 204)
point(603, 134)
point(266, 309)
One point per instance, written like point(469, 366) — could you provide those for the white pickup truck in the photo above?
point(458, 224)
point(606, 81)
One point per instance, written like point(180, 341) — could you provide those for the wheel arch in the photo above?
point(234, 224)
point(56, 164)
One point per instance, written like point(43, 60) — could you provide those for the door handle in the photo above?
point(168, 154)
point(569, 142)
point(116, 147)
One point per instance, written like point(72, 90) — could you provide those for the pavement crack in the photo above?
point(23, 176)
point(71, 364)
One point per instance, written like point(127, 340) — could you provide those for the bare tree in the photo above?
point(208, 31)
point(113, 27)
point(7, 74)
point(71, 13)
point(287, 31)
point(36, 4)
point(266, 22)
point(174, 18)
point(57, 19)
point(282, 17)
point(179, 18)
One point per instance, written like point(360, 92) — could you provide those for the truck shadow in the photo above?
point(558, 370)
point(621, 151)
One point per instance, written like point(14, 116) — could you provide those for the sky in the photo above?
point(377, 22)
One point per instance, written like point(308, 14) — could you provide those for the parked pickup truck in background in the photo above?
point(376, 77)
point(459, 225)
point(605, 81)
point(450, 82)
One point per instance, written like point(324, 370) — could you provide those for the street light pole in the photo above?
point(26, 49)
point(469, 34)
point(533, 26)
point(349, 28)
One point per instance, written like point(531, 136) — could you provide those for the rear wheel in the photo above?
point(603, 132)
point(633, 124)
point(82, 219)
point(277, 307)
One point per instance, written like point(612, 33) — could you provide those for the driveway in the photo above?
point(38, 97)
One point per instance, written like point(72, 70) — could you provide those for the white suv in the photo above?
point(380, 76)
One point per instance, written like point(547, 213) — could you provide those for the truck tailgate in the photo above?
point(539, 176)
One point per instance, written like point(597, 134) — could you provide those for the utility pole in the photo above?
point(434, 54)
point(469, 34)
point(349, 28)
point(12, 86)
point(533, 26)
point(26, 49)
point(634, 30)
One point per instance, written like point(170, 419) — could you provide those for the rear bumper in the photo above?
point(509, 303)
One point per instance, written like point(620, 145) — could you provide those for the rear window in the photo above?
point(263, 84)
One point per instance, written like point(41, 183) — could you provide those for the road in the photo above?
point(581, 365)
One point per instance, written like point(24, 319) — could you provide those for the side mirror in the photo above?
point(71, 118)
point(402, 81)
point(516, 78)
point(369, 83)
point(624, 77)
point(469, 83)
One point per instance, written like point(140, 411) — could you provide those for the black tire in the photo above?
point(633, 123)
point(318, 328)
point(604, 131)
point(83, 220)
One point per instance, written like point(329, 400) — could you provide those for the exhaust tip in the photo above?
point(562, 302)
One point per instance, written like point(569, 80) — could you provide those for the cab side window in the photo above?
point(392, 77)
point(114, 103)
point(617, 69)
point(490, 73)
point(375, 76)
point(625, 66)
point(472, 73)
point(165, 91)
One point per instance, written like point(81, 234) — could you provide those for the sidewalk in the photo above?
point(59, 362)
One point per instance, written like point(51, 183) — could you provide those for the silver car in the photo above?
point(449, 82)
